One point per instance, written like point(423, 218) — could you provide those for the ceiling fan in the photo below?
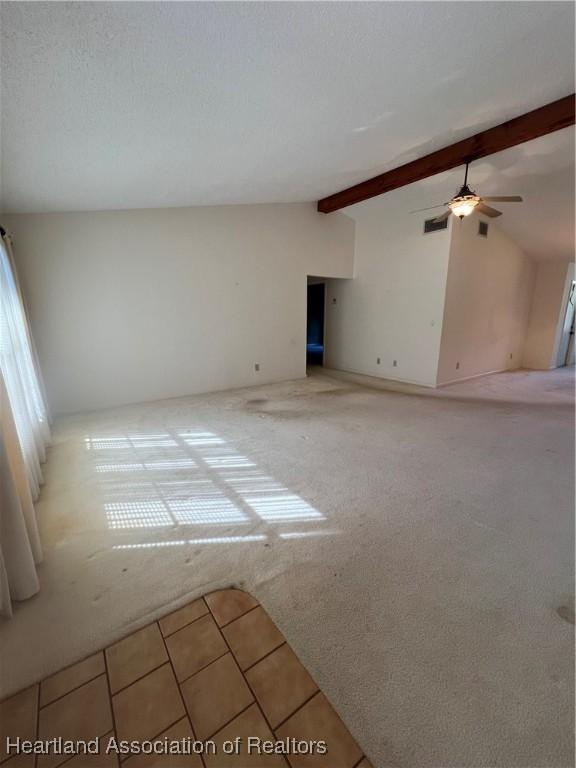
point(465, 201)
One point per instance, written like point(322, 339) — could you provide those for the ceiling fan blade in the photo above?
point(443, 217)
point(431, 208)
point(504, 199)
point(487, 211)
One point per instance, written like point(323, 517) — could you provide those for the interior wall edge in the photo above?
point(551, 286)
point(487, 303)
point(142, 305)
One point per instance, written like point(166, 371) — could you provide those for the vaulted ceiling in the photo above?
point(542, 171)
point(127, 105)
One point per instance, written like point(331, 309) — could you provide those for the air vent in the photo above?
point(431, 225)
point(483, 228)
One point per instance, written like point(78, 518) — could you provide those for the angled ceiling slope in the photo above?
point(542, 171)
point(539, 122)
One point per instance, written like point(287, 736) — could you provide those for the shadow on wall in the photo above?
point(188, 486)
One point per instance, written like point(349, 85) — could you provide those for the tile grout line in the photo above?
point(169, 661)
point(124, 759)
point(231, 720)
point(44, 679)
point(284, 642)
point(186, 713)
point(237, 618)
point(260, 709)
point(103, 652)
point(298, 708)
point(244, 678)
point(35, 761)
point(255, 702)
point(76, 687)
point(125, 637)
point(114, 728)
point(308, 700)
point(185, 680)
point(137, 679)
point(242, 711)
point(71, 757)
point(188, 623)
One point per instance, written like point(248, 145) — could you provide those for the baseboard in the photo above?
point(476, 376)
point(351, 372)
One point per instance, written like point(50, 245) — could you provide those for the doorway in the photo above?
point(315, 324)
point(566, 345)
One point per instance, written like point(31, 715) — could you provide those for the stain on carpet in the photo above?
point(566, 612)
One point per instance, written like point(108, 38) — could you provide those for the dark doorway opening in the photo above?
point(315, 325)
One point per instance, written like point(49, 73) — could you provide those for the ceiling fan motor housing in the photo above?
point(464, 202)
point(465, 191)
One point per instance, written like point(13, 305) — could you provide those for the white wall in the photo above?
point(393, 308)
point(488, 294)
point(130, 306)
point(445, 306)
point(551, 287)
point(566, 325)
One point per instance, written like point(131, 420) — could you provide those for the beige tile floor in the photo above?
point(214, 670)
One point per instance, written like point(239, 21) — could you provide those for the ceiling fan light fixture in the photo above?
point(463, 205)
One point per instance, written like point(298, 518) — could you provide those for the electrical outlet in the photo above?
point(457, 366)
point(334, 300)
point(256, 366)
point(395, 363)
point(377, 361)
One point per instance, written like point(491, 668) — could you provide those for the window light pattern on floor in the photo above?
point(183, 480)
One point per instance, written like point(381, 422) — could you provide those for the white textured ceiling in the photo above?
point(124, 105)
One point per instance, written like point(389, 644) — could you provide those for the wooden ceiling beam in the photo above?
point(552, 117)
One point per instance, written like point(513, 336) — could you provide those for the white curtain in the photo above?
point(24, 434)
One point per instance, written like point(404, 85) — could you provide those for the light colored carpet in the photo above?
point(413, 546)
